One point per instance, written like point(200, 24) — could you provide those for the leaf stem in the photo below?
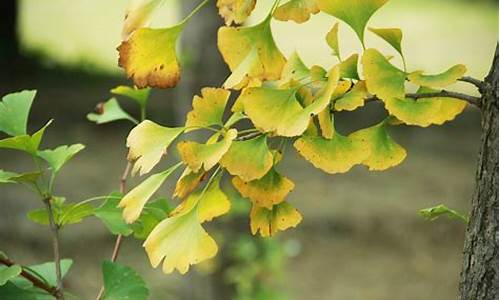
point(55, 245)
point(193, 12)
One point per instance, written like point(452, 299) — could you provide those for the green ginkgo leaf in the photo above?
point(58, 157)
point(9, 272)
point(121, 282)
point(439, 80)
point(297, 10)
point(147, 143)
point(349, 67)
point(254, 47)
point(235, 11)
point(294, 69)
point(133, 202)
point(197, 155)
point(250, 159)
point(353, 99)
point(267, 191)
point(332, 39)
point(393, 36)
point(140, 96)
point(336, 155)
point(384, 151)
point(109, 111)
point(278, 111)
point(14, 111)
point(382, 78)
point(7, 177)
point(27, 143)
point(64, 213)
point(432, 213)
point(268, 222)
point(154, 212)
point(111, 215)
point(356, 13)
point(207, 109)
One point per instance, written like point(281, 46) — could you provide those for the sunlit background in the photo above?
point(361, 237)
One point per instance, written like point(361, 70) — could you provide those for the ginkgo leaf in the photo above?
point(58, 157)
point(250, 159)
point(278, 111)
point(254, 47)
point(133, 202)
point(355, 13)
point(208, 109)
point(281, 217)
point(325, 120)
point(439, 80)
point(382, 78)
point(353, 99)
point(336, 155)
point(149, 57)
point(332, 39)
point(179, 241)
point(111, 215)
point(9, 272)
point(296, 10)
point(349, 67)
point(141, 96)
point(266, 191)
point(14, 111)
point(413, 112)
point(235, 11)
point(25, 142)
point(384, 151)
point(294, 69)
point(138, 15)
point(187, 182)
point(7, 177)
point(393, 36)
point(147, 143)
point(197, 155)
point(109, 111)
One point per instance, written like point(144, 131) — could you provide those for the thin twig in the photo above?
point(478, 83)
point(55, 245)
point(249, 136)
point(474, 101)
point(119, 238)
point(35, 281)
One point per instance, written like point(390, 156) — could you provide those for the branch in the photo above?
point(34, 280)
point(478, 83)
point(475, 101)
point(55, 245)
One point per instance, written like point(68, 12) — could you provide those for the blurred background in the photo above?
point(361, 237)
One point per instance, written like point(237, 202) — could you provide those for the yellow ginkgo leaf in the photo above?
point(382, 78)
point(413, 112)
point(235, 11)
point(353, 99)
point(332, 39)
point(325, 120)
point(138, 15)
point(149, 57)
point(266, 191)
point(439, 80)
point(268, 222)
point(208, 109)
point(187, 182)
point(133, 202)
point(278, 111)
point(296, 10)
point(250, 159)
point(147, 143)
point(255, 48)
point(384, 151)
point(294, 69)
point(393, 36)
point(336, 155)
point(197, 155)
point(179, 241)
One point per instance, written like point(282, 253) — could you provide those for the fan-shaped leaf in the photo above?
point(281, 217)
point(349, 67)
point(109, 111)
point(297, 10)
point(58, 157)
point(332, 39)
point(188, 181)
point(14, 111)
point(27, 143)
point(208, 109)
point(439, 80)
point(235, 11)
point(393, 36)
point(141, 96)
point(353, 99)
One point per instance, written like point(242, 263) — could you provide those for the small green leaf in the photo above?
point(332, 38)
point(10, 272)
point(48, 270)
point(432, 213)
point(110, 111)
point(14, 111)
point(25, 142)
point(58, 157)
point(439, 80)
point(154, 212)
point(111, 215)
point(121, 282)
point(10, 291)
point(393, 36)
point(6, 177)
point(64, 214)
point(140, 96)
point(349, 67)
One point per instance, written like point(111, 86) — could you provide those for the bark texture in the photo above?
point(479, 277)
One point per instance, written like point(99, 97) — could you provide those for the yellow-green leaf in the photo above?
point(382, 78)
point(149, 57)
point(349, 67)
point(208, 109)
point(413, 112)
point(138, 15)
point(187, 182)
point(332, 39)
point(393, 36)
point(439, 80)
point(355, 13)
point(255, 48)
point(266, 191)
point(297, 10)
point(353, 99)
point(294, 69)
point(281, 217)
point(384, 151)
point(197, 155)
point(235, 11)
point(147, 143)
point(250, 159)
point(336, 155)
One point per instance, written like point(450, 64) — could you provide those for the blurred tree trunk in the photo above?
point(9, 45)
point(479, 277)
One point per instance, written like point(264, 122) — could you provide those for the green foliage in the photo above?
point(63, 212)
point(121, 282)
point(14, 111)
point(8, 273)
point(432, 213)
point(58, 157)
point(110, 111)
